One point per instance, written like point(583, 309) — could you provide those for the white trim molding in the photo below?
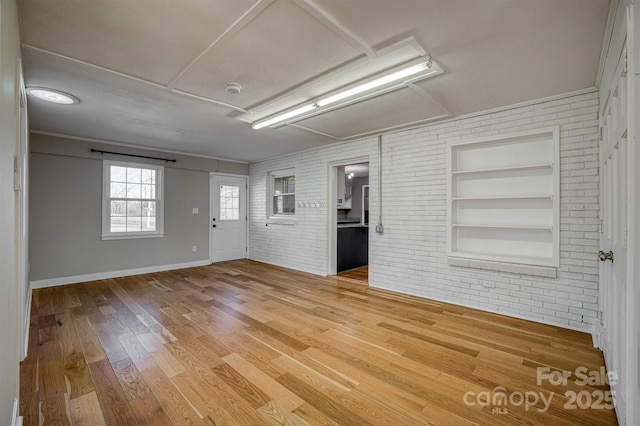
point(52, 282)
point(26, 322)
point(505, 313)
point(16, 419)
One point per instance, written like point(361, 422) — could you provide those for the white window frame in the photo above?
point(106, 202)
point(278, 217)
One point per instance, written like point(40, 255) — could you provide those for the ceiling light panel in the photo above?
point(52, 95)
point(394, 109)
point(377, 82)
point(376, 85)
point(327, 82)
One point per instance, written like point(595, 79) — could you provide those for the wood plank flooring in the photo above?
point(358, 274)
point(244, 343)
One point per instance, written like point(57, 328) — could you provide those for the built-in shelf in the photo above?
point(496, 206)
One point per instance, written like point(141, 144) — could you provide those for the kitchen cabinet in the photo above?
point(344, 190)
point(353, 247)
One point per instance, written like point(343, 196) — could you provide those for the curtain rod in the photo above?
point(168, 160)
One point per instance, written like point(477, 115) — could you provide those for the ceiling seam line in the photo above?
point(332, 24)
point(239, 24)
point(398, 128)
point(338, 138)
point(88, 64)
point(131, 77)
point(133, 146)
point(425, 94)
point(213, 101)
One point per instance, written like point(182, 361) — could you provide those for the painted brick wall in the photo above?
point(411, 255)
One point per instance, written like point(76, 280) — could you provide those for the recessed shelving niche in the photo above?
point(504, 198)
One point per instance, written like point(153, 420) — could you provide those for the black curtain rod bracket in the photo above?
point(168, 160)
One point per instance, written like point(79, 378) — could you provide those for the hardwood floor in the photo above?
point(359, 274)
point(244, 343)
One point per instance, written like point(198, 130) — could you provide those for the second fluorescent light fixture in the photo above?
point(408, 71)
point(285, 116)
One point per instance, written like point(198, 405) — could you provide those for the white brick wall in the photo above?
point(411, 255)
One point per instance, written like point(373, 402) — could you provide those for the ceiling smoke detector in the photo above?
point(233, 88)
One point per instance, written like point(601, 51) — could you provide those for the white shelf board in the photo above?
point(521, 260)
point(504, 169)
point(505, 197)
point(533, 227)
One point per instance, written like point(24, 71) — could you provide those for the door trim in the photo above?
point(332, 206)
point(246, 178)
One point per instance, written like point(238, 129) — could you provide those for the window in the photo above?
point(504, 199)
point(132, 201)
point(282, 194)
point(229, 202)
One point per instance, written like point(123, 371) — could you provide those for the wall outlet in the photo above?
point(195, 210)
point(194, 249)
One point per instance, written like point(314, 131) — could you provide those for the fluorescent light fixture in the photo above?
point(52, 95)
point(285, 116)
point(416, 68)
point(381, 81)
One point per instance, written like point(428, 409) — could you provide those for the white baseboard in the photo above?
point(294, 268)
point(52, 282)
point(586, 329)
point(26, 323)
point(596, 335)
point(16, 420)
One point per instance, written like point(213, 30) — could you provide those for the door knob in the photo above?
point(605, 256)
point(213, 226)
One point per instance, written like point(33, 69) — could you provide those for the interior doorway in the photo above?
point(350, 228)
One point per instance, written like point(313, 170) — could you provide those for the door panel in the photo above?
point(228, 218)
point(613, 268)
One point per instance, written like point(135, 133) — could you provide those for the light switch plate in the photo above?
point(195, 210)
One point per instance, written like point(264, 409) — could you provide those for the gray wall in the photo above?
point(9, 287)
point(66, 211)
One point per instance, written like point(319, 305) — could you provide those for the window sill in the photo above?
point(276, 220)
point(515, 268)
point(131, 236)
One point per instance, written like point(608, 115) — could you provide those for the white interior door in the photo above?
point(228, 218)
point(613, 242)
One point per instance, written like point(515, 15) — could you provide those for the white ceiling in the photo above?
point(153, 72)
